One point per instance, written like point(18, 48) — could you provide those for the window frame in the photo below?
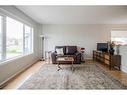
point(1, 29)
point(118, 29)
point(3, 48)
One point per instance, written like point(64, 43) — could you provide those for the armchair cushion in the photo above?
point(70, 50)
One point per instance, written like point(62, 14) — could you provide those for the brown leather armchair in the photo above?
point(68, 51)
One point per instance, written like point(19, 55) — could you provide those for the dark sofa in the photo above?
point(68, 51)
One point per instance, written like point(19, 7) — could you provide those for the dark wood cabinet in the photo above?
point(113, 61)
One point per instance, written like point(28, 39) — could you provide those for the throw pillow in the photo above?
point(59, 51)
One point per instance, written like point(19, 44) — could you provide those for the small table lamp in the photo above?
point(82, 50)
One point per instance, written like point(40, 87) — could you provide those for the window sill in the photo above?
point(14, 58)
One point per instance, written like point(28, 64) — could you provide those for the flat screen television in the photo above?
point(102, 47)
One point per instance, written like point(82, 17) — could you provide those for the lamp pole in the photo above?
point(43, 47)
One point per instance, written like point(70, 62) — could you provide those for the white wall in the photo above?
point(123, 53)
point(10, 68)
point(80, 35)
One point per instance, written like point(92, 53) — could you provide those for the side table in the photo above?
point(48, 56)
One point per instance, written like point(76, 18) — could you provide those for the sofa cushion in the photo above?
point(70, 50)
point(64, 48)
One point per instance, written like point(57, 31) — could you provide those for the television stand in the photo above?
point(113, 61)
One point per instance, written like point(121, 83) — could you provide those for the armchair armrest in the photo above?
point(53, 56)
point(78, 57)
point(77, 53)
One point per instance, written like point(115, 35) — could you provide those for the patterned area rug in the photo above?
point(84, 76)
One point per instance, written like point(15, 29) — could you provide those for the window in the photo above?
point(0, 37)
point(119, 37)
point(16, 38)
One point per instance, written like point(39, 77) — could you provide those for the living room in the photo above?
point(81, 26)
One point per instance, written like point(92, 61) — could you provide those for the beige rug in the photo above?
point(84, 76)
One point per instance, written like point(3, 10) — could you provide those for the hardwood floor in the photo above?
point(121, 76)
point(14, 84)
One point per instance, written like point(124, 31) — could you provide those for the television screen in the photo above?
point(102, 47)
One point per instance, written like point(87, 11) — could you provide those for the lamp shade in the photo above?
point(82, 49)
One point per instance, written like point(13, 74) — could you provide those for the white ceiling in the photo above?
point(76, 14)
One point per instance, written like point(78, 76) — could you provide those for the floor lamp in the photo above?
point(43, 46)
